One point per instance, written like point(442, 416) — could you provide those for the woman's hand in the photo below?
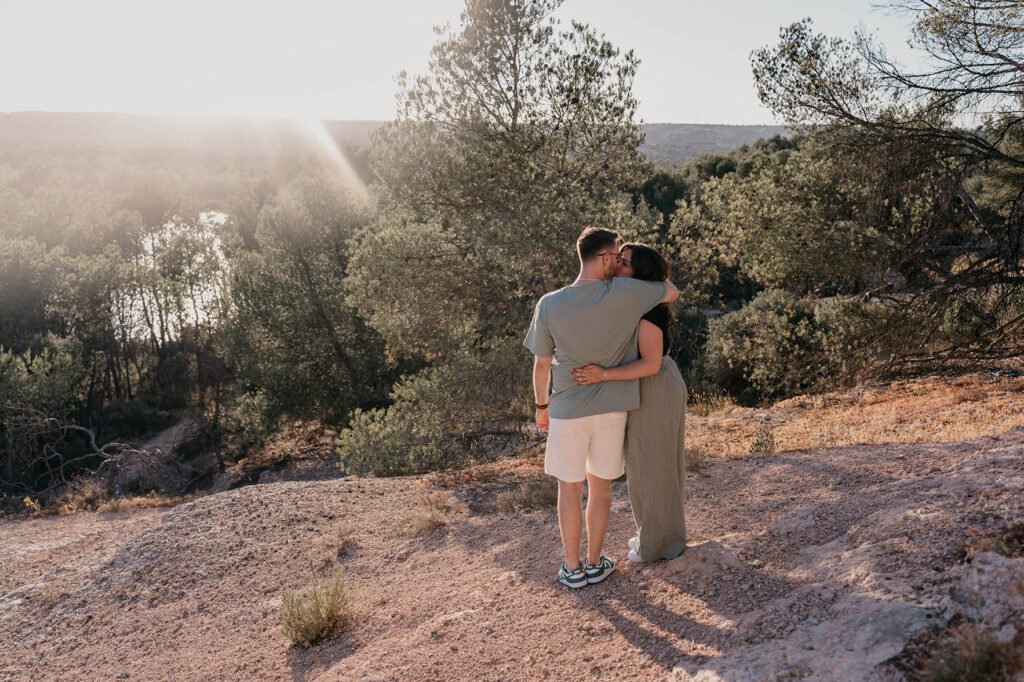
point(588, 374)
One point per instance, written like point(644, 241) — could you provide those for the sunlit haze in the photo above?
point(337, 60)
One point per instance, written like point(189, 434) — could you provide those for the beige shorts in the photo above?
point(585, 445)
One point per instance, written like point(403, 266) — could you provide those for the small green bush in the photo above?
point(443, 417)
point(687, 335)
point(256, 417)
point(766, 350)
point(306, 620)
point(781, 345)
point(764, 442)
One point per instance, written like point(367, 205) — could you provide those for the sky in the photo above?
point(337, 59)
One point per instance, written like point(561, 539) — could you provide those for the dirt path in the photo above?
point(859, 539)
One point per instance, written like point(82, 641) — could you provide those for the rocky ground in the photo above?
point(817, 564)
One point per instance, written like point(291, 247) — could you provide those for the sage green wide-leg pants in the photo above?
point(656, 463)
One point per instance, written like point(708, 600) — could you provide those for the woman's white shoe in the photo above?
point(634, 556)
point(633, 542)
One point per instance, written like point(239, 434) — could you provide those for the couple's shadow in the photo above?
point(638, 601)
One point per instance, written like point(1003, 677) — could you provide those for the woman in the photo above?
point(655, 458)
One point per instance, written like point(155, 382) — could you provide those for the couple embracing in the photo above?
point(617, 402)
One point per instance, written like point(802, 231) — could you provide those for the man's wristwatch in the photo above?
point(541, 407)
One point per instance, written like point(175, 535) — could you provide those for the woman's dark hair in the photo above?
point(650, 266)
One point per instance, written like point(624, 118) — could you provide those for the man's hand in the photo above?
point(542, 419)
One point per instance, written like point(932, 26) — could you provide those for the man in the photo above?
point(592, 321)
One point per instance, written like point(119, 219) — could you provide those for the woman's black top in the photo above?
point(659, 316)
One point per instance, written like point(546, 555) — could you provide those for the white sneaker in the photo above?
point(597, 572)
point(634, 557)
point(633, 542)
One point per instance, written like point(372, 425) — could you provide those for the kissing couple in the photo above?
point(617, 402)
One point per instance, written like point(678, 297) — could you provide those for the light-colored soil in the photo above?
point(813, 563)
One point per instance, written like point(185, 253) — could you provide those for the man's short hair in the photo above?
point(595, 239)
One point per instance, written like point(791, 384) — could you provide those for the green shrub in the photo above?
point(47, 379)
point(781, 345)
point(859, 338)
point(34, 387)
point(256, 416)
point(442, 418)
point(766, 350)
point(687, 336)
point(305, 620)
point(764, 442)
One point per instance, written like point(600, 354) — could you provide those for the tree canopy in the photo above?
point(521, 134)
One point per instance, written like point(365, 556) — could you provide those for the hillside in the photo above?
point(24, 136)
point(831, 563)
point(671, 144)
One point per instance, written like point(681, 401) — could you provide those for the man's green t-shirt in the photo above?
point(591, 323)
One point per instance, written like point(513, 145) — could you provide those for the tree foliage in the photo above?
point(292, 336)
point(961, 117)
point(122, 311)
point(520, 134)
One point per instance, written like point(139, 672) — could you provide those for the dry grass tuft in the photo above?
point(112, 505)
point(694, 460)
point(933, 409)
point(147, 501)
point(971, 652)
point(337, 540)
point(342, 532)
point(453, 478)
point(305, 620)
point(152, 499)
point(436, 509)
point(49, 595)
point(539, 494)
point(709, 401)
point(88, 493)
point(32, 506)
point(83, 493)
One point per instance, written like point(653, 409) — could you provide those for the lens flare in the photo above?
point(315, 131)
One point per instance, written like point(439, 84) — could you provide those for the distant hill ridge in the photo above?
point(22, 133)
point(672, 144)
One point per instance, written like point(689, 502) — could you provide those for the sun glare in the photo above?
point(325, 144)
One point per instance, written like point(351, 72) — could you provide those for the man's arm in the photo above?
point(649, 364)
point(541, 382)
